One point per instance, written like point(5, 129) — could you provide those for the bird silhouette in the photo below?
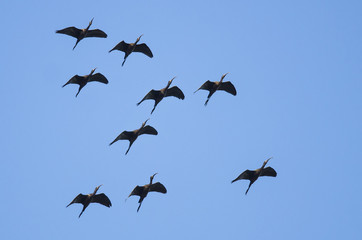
point(91, 198)
point(79, 34)
point(254, 175)
point(212, 87)
point(158, 95)
point(128, 48)
point(142, 191)
point(131, 136)
point(83, 80)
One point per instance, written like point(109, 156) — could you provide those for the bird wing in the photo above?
point(122, 46)
point(158, 187)
point(206, 86)
point(71, 31)
point(78, 199)
point(245, 175)
point(96, 33)
point(138, 190)
point(75, 79)
point(270, 172)
point(175, 92)
point(148, 130)
point(153, 94)
point(99, 78)
point(228, 87)
point(102, 199)
point(143, 48)
point(124, 135)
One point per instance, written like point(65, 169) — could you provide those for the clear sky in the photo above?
point(296, 66)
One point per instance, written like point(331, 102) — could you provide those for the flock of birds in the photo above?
point(157, 96)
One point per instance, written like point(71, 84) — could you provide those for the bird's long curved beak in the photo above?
point(266, 161)
point(91, 21)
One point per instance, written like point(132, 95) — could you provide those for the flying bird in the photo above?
point(79, 34)
point(131, 136)
point(91, 198)
point(158, 95)
point(212, 87)
point(254, 175)
point(83, 80)
point(128, 48)
point(142, 191)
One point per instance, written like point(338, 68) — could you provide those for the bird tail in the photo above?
point(139, 206)
point(123, 62)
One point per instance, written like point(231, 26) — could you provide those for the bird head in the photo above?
point(139, 38)
point(143, 124)
point(266, 161)
point(223, 76)
point(96, 189)
point(170, 82)
point(153, 176)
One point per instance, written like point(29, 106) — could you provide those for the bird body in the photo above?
point(79, 34)
point(131, 136)
point(158, 95)
point(83, 80)
point(128, 48)
point(252, 176)
point(91, 198)
point(212, 87)
point(142, 191)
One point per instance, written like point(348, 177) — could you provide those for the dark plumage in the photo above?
point(128, 48)
point(164, 92)
point(212, 87)
point(254, 175)
point(131, 136)
point(79, 34)
point(83, 80)
point(142, 191)
point(91, 198)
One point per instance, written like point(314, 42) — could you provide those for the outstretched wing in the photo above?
point(148, 130)
point(99, 78)
point(138, 190)
point(158, 187)
point(124, 135)
point(102, 199)
point(153, 94)
point(78, 199)
point(143, 48)
point(175, 92)
point(247, 174)
point(270, 172)
point(71, 31)
point(96, 33)
point(228, 87)
point(75, 79)
point(122, 46)
point(208, 85)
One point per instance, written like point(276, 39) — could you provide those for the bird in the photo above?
point(91, 198)
point(142, 191)
point(79, 34)
point(212, 87)
point(164, 92)
point(128, 48)
point(131, 136)
point(254, 175)
point(83, 80)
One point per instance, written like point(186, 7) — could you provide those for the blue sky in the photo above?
point(297, 70)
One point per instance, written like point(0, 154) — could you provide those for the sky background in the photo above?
point(296, 66)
